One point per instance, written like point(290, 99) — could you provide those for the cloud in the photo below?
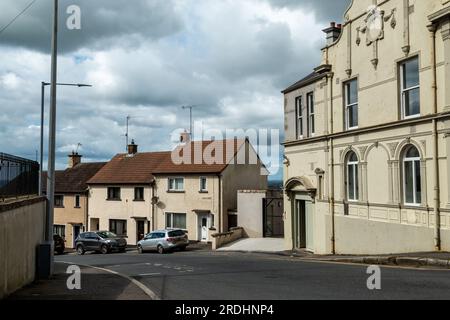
point(146, 59)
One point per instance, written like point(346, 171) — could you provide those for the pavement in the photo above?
point(255, 245)
point(96, 284)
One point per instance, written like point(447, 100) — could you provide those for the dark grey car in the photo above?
point(100, 241)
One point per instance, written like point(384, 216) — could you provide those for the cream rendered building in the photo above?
point(136, 193)
point(367, 168)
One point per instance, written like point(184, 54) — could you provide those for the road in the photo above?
point(202, 275)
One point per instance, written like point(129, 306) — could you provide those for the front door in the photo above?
point(76, 233)
point(203, 228)
point(140, 230)
point(304, 225)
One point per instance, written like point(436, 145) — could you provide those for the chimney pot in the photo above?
point(74, 159)
point(185, 137)
point(132, 148)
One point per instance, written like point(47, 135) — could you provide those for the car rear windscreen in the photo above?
point(176, 233)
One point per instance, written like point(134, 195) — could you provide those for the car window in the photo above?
point(176, 233)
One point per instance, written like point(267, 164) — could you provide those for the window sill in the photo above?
point(176, 191)
point(137, 200)
point(77, 207)
point(203, 192)
point(116, 200)
point(59, 207)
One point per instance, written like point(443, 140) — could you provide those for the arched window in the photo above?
point(352, 177)
point(412, 180)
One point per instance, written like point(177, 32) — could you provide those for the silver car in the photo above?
point(163, 241)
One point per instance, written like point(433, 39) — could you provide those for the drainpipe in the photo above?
point(332, 197)
point(220, 203)
point(153, 186)
point(437, 201)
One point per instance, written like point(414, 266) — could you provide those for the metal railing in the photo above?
point(18, 177)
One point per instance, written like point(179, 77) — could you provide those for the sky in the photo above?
point(146, 59)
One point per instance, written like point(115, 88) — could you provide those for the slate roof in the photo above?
point(312, 77)
point(74, 180)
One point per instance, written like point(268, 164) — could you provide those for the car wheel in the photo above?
point(160, 249)
point(60, 251)
point(104, 249)
point(123, 250)
point(80, 250)
point(183, 248)
point(140, 250)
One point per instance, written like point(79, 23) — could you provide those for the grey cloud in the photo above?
point(325, 10)
point(105, 23)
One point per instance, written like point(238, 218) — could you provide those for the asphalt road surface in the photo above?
point(205, 275)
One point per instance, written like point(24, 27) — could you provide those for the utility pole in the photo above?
point(52, 142)
point(127, 133)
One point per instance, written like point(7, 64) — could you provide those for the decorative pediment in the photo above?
point(374, 28)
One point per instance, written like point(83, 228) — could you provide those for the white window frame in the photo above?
point(299, 125)
point(171, 214)
point(404, 90)
point(205, 189)
point(417, 202)
point(350, 105)
point(355, 165)
point(174, 188)
point(311, 114)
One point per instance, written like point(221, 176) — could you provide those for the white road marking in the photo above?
point(149, 274)
point(140, 285)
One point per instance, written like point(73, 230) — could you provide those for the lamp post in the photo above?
point(41, 162)
point(190, 119)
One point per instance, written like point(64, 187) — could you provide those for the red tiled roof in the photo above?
point(124, 169)
point(205, 157)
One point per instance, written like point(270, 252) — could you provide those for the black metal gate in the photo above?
point(273, 217)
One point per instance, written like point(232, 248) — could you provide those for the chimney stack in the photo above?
point(185, 137)
point(74, 159)
point(132, 148)
point(333, 32)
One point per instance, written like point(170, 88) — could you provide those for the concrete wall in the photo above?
point(250, 212)
point(22, 226)
point(69, 216)
point(221, 239)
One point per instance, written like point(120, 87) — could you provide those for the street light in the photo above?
point(41, 163)
point(190, 119)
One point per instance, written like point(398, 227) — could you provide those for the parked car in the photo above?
point(59, 244)
point(164, 240)
point(100, 241)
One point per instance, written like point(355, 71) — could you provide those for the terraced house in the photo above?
point(367, 167)
point(193, 188)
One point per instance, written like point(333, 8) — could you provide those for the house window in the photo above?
point(59, 230)
point(77, 201)
point(139, 194)
point(59, 201)
point(118, 227)
point(410, 88)
point(352, 177)
point(311, 116)
point(412, 180)
point(299, 117)
point(113, 193)
point(351, 104)
point(203, 184)
point(176, 184)
point(176, 220)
